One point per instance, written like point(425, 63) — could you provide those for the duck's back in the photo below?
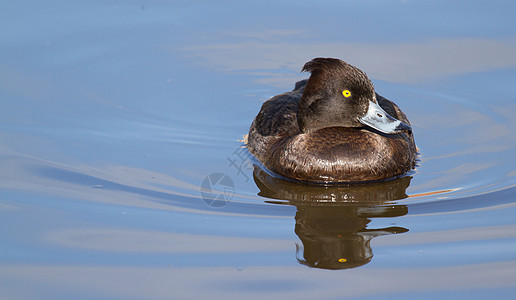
point(276, 120)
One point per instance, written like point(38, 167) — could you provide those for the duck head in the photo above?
point(338, 94)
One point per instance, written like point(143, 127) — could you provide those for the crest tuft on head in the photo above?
point(327, 64)
point(339, 69)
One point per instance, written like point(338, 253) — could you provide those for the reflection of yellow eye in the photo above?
point(346, 93)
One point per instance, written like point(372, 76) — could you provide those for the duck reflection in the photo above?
point(331, 221)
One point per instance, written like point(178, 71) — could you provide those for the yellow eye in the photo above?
point(342, 260)
point(346, 93)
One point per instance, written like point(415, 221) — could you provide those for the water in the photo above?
point(115, 117)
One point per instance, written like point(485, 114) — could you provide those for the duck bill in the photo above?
point(378, 119)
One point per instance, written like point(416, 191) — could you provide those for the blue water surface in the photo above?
point(113, 114)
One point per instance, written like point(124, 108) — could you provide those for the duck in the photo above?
point(332, 128)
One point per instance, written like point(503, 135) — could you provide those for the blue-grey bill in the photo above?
point(378, 119)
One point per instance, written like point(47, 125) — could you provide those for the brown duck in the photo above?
point(333, 128)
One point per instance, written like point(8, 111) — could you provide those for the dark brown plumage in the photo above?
point(316, 133)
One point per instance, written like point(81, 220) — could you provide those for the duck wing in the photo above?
point(277, 119)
